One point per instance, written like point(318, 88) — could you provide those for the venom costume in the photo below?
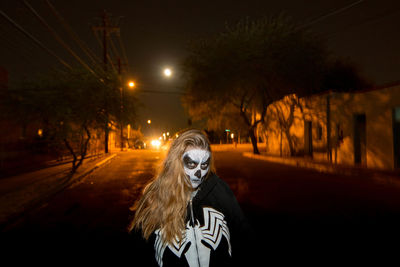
point(188, 214)
point(217, 232)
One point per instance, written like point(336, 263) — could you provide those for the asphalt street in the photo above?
point(297, 215)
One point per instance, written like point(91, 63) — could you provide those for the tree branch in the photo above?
point(67, 144)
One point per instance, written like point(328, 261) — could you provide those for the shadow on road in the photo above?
point(319, 239)
point(279, 237)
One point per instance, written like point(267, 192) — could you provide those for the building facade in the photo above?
point(359, 128)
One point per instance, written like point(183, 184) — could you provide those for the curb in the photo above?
point(378, 177)
point(104, 161)
point(37, 202)
point(83, 175)
point(298, 163)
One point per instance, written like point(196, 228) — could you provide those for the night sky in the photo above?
point(155, 35)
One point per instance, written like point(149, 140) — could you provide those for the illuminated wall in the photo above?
point(361, 127)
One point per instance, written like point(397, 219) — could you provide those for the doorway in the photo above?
point(360, 139)
point(308, 146)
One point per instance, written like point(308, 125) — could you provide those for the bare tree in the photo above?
point(249, 66)
point(70, 106)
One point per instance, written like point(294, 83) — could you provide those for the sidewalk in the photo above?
point(379, 176)
point(21, 193)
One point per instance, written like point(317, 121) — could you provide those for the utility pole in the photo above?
point(106, 29)
point(122, 105)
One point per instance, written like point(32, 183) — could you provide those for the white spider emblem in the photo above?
point(197, 255)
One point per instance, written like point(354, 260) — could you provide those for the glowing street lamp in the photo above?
point(148, 121)
point(131, 84)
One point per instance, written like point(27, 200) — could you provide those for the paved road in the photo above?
point(306, 216)
point(297, 214)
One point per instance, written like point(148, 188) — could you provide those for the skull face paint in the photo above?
point(196, 163)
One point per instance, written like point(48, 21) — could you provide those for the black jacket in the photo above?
point(217, 233)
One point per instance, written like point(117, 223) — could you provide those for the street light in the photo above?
point(148, 121)
point(131, 84)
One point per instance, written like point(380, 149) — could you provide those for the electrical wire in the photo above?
point(15, 43)
point(366, 22)
point(160, 92)
point(36, 41)
point(58, 38)
point(20, 51)
point(114, 49)
point(82, 45)
point(10, 46)
point(101, 45)
point(123, 50)
point(335, 12)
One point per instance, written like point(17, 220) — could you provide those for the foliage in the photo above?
point(249, 66)
point(343, 76)
point(71, 106)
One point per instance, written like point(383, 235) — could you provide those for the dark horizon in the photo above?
point(155, 35)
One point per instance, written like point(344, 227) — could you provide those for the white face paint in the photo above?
point(196, 163)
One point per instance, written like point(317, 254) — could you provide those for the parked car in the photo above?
point(139, 144)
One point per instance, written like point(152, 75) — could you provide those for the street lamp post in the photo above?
point(121, 126)
point(227, 134)
point(131, 84)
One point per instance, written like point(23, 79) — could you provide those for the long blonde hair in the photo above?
point(164, 201)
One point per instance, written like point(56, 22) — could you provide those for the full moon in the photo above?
point(167, 72)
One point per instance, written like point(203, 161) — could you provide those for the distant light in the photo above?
point(156, 143)
point(40, 132)
point(167, 72)
point(232, 135)
point(148, 121)
point(131, 84)
point(167, 133)
point(227, 130)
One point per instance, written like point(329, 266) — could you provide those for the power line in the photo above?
point(13, 47)
point(58, 38)
point(161, 92)
point(146, 85)
point(335, 12)
point(367, 21)
point(114, 49)
point(15, 44)
point(19, 49)
point(17, 26)
point(108, 55)
point(123, 50)
point(107, 29)
point(73, 35)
